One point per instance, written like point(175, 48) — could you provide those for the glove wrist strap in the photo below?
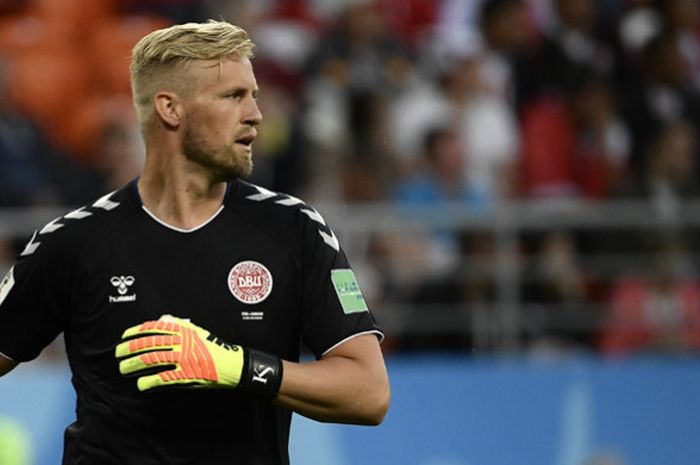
point(262, 373)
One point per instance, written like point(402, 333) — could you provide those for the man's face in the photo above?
point(221, 117)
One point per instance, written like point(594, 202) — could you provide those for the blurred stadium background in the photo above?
point(514, 181)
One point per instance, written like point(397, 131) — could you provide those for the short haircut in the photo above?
point(162, 56)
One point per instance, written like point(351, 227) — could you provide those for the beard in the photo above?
point(225, 164)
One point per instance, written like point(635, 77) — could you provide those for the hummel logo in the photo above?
point(122, 283)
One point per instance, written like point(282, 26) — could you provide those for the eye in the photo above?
point(235, 94)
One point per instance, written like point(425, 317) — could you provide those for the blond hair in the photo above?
point(158, 54)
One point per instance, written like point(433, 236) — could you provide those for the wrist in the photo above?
point(262, 373)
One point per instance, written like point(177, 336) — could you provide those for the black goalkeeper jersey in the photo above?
point(265, 271)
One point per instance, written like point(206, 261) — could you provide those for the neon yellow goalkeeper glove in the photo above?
point(191, 356)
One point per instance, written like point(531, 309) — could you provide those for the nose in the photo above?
point(253, 116)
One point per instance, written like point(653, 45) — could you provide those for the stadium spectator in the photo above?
point(576, 146)
point(440, 178)
point(437, 255)
point(371, 162)
point(484, 120)
point(508, 39)
point(573, 46)
point(556, 289)
point(662, 94)
point(682, 19)
point(356, 54)
point(288, 34)
point(656, 311)
point(670, 175)
point(458, 302)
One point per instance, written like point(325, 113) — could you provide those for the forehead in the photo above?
point(229, 72)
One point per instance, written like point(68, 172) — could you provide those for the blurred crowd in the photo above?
point(416, 102)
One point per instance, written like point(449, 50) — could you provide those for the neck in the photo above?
point(178, 191)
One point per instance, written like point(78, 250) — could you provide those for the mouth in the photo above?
point(246, 141)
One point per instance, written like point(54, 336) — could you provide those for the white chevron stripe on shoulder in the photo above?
point(314, 215)
point(31, 246)
point(263, 194)
point(290, 201)
point(330, 239)
point(104, 202)
point(51, 226)
point(79, 214)
point(7, 284)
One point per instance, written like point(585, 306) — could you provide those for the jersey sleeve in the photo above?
point(333, 307)
point(32, 300)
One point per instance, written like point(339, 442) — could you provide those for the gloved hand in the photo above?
point(192, 356)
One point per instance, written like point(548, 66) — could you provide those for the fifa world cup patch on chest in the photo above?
point(349, 293)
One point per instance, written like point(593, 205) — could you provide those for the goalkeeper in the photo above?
point(184, 295)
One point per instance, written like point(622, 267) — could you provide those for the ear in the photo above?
point(168, 108)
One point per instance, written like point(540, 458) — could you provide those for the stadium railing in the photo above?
point(503, 322)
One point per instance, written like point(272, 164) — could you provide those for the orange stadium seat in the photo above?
point(24, 34)
point(48, 85)
point(110, 48)
point(81, 133)
point(77, 14)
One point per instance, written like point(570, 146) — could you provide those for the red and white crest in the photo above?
point(250, 282)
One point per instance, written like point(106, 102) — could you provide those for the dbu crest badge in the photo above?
point(250, 282)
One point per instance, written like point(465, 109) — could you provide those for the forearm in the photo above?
point(336, 389)
point(348, 385)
